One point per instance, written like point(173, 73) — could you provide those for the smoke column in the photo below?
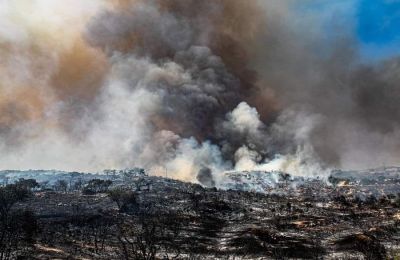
point(193, 87)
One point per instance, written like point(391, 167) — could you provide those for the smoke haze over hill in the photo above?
point(191, 87)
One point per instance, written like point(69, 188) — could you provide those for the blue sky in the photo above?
point(378, 27)
point(375, 24)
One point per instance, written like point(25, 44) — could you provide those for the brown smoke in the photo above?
point(78, 79)
point(50, 68)
point(79, 73)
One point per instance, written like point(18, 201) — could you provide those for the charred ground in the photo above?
point(143, 217)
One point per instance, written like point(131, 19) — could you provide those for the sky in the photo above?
point(375, 24)
point(378, 27)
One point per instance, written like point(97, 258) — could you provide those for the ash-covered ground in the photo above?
point(259, 215)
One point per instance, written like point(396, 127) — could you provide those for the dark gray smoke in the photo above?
point(207, 55)
point(205, 177)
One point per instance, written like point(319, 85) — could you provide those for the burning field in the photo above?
point(244, 117)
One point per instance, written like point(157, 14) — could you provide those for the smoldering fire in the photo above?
point(183, 84)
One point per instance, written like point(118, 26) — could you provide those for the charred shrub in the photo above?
point(126, 200)
point(342, 200)
point(365, 244)
point(264, 241)
point(17, 228)
point(96, 186)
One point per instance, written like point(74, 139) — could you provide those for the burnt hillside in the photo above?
point(159, 218)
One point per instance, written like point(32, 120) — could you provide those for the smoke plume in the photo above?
point(192, 88)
